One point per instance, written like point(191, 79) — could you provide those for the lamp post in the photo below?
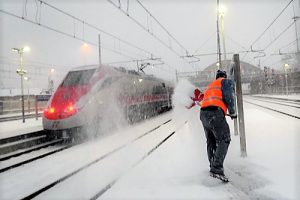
point(218, 35)
point(222, 10)
point(21, 72)
point(28, 100)
point(50, 81)
point(286, 66)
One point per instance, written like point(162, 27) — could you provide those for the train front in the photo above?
point(65, 110)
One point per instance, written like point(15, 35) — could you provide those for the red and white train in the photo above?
point(94, 96)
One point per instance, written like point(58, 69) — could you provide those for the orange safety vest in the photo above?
point(213, 95)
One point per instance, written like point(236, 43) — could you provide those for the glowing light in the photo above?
point(222, 10)
point(26, 49)
point(70, 108)
point(286, 67)
point(85, 49)
point(51, 110)
point(140, 80)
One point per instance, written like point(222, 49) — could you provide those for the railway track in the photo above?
point(22, 149)
point(101, 158)
point(284, 106)
point(49, 188)
point(12, 118)
point(278, 99)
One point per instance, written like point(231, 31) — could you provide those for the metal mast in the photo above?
point(218, 36)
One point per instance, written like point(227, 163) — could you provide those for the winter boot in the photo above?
point(221, 177)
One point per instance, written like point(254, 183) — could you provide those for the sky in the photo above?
point(191, 24)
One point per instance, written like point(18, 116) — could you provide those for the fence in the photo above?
point(32, 104)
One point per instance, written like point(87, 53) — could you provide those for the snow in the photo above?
point(282, 107)
point(17, 127)
point(290, 96)
point(178, 169)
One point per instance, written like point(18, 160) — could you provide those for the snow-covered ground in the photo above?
point(290, 96)
point(17, 127)
point(176, 170)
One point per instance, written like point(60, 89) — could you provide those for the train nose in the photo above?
point(60, 112)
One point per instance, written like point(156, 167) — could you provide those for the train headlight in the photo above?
point(70, 110)
point(51, 110)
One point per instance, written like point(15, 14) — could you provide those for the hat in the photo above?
point(221, 73)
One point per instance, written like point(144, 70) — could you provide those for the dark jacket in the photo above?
point(228, 95)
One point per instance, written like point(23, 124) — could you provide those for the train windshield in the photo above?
point(81, 77)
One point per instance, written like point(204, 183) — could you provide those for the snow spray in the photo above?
point(181, 99)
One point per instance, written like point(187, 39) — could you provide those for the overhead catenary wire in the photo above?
point(290, 44)
point(235, 42)
point(205, 42)
point(278, 36)
point(146, 29)
point(139, 2)
point(100, 30)
point(74, 36)
point(31, 62)
point(278, 53)
point(65, 34)
point(268, 27)
point(96, 28)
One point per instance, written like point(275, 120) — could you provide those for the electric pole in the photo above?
point(218, 36)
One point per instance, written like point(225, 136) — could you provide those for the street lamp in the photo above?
point(286, 66)
point(21, 72)
point(86, 51)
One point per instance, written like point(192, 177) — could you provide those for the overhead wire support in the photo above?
point(162, 26)
point(94, 27)
point(270, 25)
point(144, 28)
point(73, 35)
point(63, 33)
point(273, 22)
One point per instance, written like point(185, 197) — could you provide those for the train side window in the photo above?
point(158, 89)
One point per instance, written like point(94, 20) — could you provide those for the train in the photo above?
point(93, 99)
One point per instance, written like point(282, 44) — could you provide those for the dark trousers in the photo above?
point(217, 137)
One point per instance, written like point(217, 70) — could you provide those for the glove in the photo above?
point(233, 116)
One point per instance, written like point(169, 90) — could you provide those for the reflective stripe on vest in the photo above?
point(213, 95)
